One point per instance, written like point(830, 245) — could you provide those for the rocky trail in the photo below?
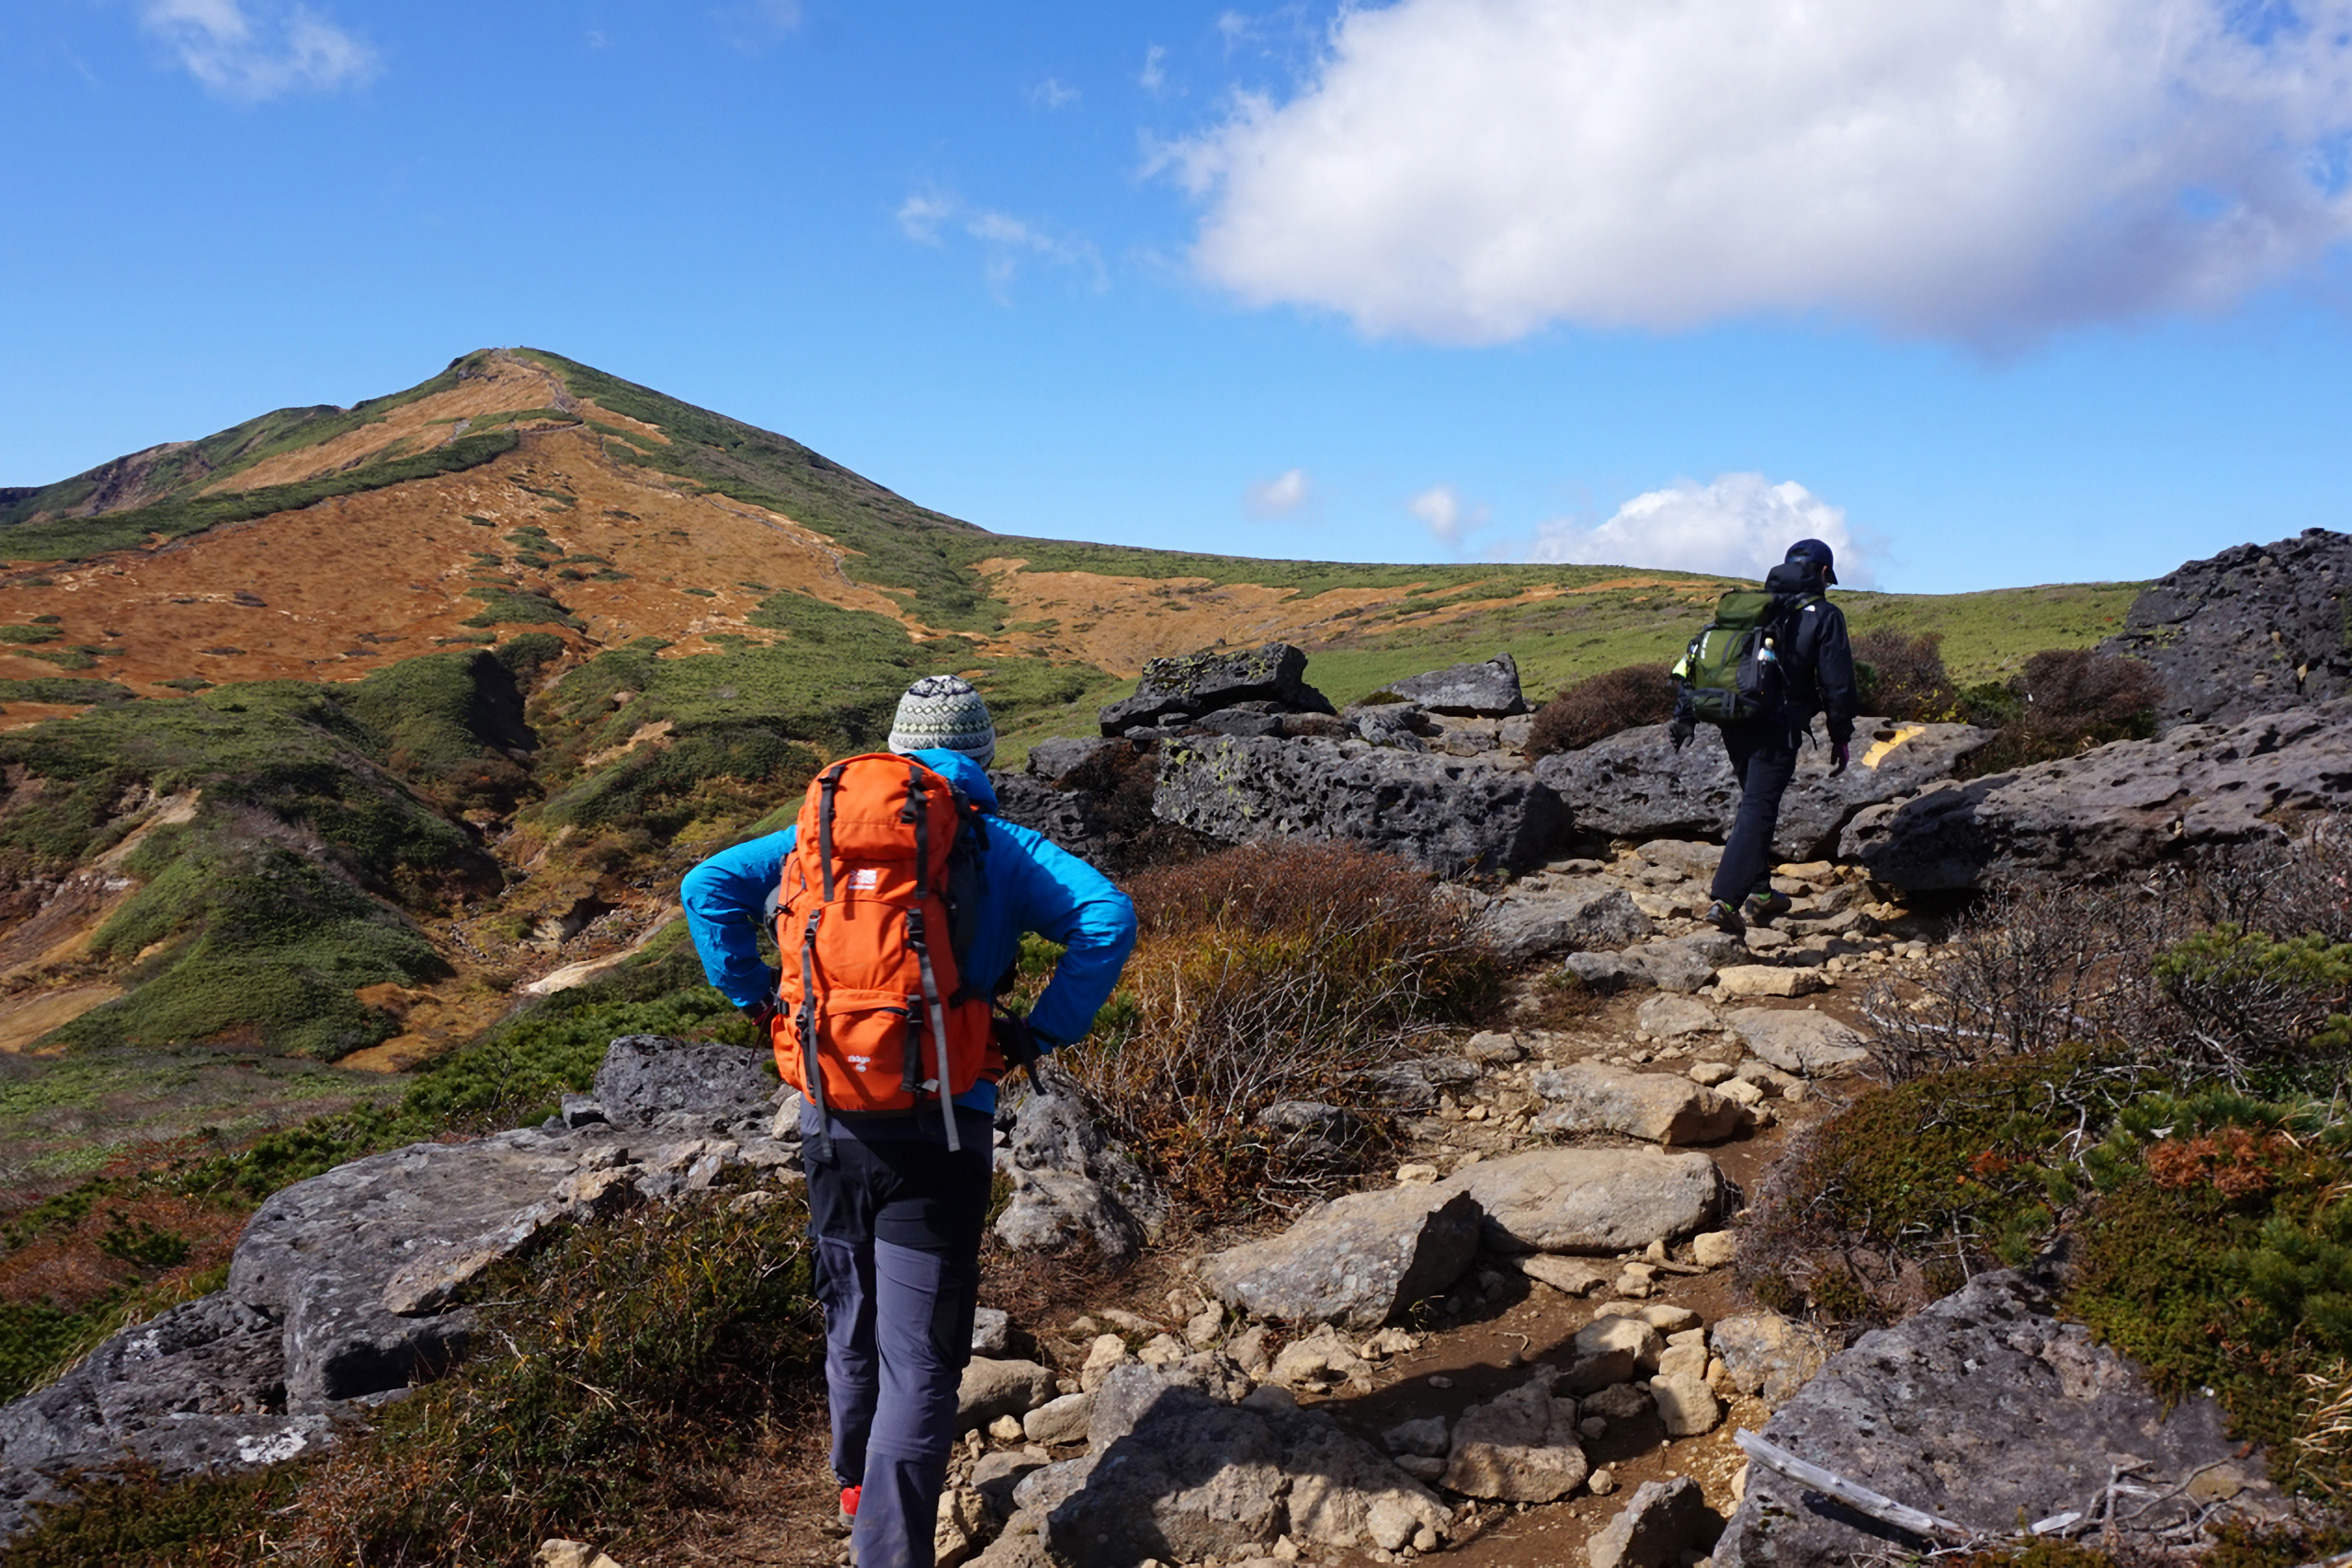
point(1522, 1339)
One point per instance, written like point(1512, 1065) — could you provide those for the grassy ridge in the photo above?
point(77, 538)
point(900, 546)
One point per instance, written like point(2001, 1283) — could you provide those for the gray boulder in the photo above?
point(1204, 682)
point(1660, 1523)
point(1468, 691)
point(1058, 760)
point(1636, 785)
point(991, 1388)
point(1799, 1040)
point(1526, 923)
point(318, 1255)
point(1354, 1261)
point(1399, 725)
point(1679, 964)
point(1452, 815)
point(1768, 1355)
point(1071, 1185)
point(2255, 629)
point(1986, 1410)
point(648, 1077)
point(1592, 1200)
point(2120, 808)
point(1177, 1473)
point(201, 1387)
point(1090, 797)
point(1519, 1447)
point(1661, 1107)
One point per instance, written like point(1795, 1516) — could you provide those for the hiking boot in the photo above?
point(1726, 919)
point(1768, 906)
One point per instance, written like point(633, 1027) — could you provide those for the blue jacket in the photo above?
point(1030, 884)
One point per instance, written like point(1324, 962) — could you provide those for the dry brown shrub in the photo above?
point(1900, 676)
point(1601, 706)
point(2032, 967)
point(2073, 699)
point(1267, 974)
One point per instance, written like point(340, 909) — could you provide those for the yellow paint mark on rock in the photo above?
point(1878, 753)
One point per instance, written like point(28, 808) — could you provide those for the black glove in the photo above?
point(1018, 1042)
point(1840, 752)
point(762, 1015)
point(1680, 730)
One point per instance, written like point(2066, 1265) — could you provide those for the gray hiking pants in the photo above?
point(896, 1219)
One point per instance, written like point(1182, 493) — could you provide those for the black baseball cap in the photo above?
point(1815, 553)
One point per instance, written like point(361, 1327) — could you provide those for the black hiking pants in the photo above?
point(1764, 759)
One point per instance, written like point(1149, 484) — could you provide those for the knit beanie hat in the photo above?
point(944, 712)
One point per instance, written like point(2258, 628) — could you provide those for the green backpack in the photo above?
point(1731, 672)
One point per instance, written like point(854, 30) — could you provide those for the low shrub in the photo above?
point(1897, 1198)
point(2068, 701)
point(1266, 974)
point(2032, 967)
point(1601, 706)
point(1901, 676)
point(2259, 1011)
point(2218, 1253)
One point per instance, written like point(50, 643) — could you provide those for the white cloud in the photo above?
point(266, 52)
point(1441, 511)
point(751, 26)
point(1154, 74)
point(1007, 244)
point(1741, 525)
point(919, 217)
point(1475, 170)
point(1280, 496)
point(1051, 94)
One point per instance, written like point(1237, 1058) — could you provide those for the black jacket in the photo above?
point(1815, 654)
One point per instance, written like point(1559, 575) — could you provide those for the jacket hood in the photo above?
point(961, 771)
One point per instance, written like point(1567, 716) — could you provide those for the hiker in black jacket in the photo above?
point(1819, 664)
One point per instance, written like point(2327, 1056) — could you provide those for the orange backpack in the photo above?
point(873, 1013)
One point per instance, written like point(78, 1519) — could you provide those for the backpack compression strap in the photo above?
point(830, 785)
point(821, 1146)
point(916, 808)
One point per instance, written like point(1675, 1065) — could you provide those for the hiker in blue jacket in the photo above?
point(897, 1215)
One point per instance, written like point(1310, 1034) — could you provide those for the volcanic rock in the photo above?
point(1519, 1447)
point(1488, 691)
point(1204, 682)
point(1634, 784)
point(2120, 808)
point(1664, 1108)
point(1591, 1200)
point(1986, 1410)
point(1662, 1523)
point(1355, 1260)
point(1527, 923)
point(1177, 1472)
point(2255, 629)
point(1799, 1040)
point(1449, 814)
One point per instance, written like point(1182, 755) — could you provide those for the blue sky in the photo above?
point(1435, 280)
